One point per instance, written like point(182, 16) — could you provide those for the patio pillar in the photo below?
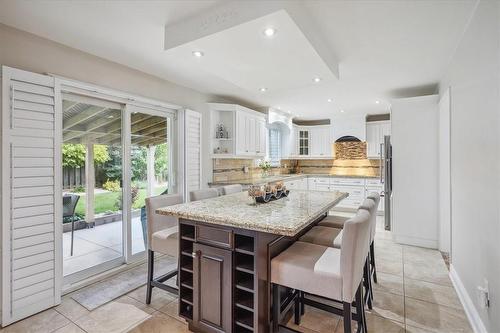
point(150, 160)
point(89, 183)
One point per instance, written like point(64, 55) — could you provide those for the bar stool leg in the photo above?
point(347, 317)
point(302, 304)
point(297, 309)
point(372, 258)
point(367, 284)
point(360, 309)
point(276, 307)
point(149, 288)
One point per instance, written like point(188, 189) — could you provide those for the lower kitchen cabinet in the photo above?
point(212, 285)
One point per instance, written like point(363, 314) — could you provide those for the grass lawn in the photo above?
point(106, 202)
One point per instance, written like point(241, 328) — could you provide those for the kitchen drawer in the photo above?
point(322, 187)
point(214, 236)
point(348, 181)
point(373, 182)
point(355, 192)
point(323, 180)
point(378, 189)
point(350, 203)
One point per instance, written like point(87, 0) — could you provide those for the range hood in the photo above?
point(348, 138)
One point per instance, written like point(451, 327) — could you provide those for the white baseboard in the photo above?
point(415, 241)
point(470, 310)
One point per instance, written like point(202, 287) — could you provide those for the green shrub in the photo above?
point(79, 189)
point(112, 185)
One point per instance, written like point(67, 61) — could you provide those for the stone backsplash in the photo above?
point(234, 169)
point(355, 167)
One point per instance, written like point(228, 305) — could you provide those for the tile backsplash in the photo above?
point(234, 169)
point(354, 167)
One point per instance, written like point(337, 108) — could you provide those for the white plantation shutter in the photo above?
point(31, 195)
point(192, 141)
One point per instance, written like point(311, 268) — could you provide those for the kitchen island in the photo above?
point(225, 249)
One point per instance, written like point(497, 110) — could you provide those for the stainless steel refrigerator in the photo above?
point(386, 178)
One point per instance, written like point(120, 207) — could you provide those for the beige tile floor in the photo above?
point(414, 295)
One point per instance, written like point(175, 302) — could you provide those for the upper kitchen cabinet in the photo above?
point(375, 132)
point(313, 141)
point(237, 131)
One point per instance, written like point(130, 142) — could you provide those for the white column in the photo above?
point(150, 160)
point(89, 183)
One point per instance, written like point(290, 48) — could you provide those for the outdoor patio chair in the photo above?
point(69, 206)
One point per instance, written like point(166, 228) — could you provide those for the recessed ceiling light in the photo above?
point(198, 54)
point(377, 102)
point(317, 79)
point(330, 100)
point(269, 32)
point(342, 111)
point(278, 107)
point(263, 89)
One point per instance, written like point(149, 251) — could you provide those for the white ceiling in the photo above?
point(385, 49)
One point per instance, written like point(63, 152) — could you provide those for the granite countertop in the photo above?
point(286, 216)
point(286, 177)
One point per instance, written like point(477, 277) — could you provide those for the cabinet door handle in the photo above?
point(195, 254)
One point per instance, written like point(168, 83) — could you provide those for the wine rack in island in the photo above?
point(217, 279)
point(186, 271)
point(245, 283)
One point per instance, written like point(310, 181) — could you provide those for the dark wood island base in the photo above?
point(225, 277)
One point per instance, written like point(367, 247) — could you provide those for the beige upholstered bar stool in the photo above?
point(332, 237)
point(230, 189)
point(373, 269)
point(163, 237)
point(327, 272)
point(203, 194)
point(333, 221)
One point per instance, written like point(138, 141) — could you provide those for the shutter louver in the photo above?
point(192, 151)
point(31, 195)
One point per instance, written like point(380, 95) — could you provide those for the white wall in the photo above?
point(414, 138)
point(25, 51)
point(474, 78)
point(444, 176)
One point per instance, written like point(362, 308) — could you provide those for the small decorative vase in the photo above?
point(265, 173)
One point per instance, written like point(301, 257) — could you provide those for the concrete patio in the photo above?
point(98, 245)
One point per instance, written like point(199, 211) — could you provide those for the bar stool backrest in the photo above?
point(203, 194)
point(370, 205)
point(156, 221)
point(230, 189)
point(353, 252)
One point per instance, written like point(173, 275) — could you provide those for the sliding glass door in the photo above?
point(150, 168)
point(92, 178)
point(114, 157)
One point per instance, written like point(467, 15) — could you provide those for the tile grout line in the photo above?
point(70, 321)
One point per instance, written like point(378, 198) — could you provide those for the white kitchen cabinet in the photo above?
point(321, 141)
point(246, 128)
point(303, 141)
point(375, 132)
point(312, 141)
point(261, 135)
